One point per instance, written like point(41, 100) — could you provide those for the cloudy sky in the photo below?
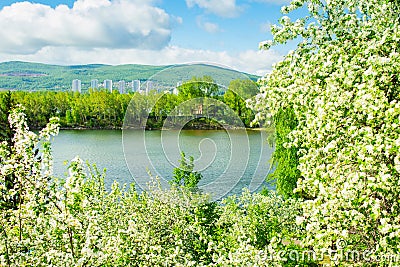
point(157, 32)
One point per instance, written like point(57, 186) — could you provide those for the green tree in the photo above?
point(237, 94)
point(285, 160)
point(198, 87)
point(184, 175)
point(234, 101)
point(245, 88)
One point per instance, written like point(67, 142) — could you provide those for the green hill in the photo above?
point(25, 76)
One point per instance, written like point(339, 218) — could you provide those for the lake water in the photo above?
point(229, 160)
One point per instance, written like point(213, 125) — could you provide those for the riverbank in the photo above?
point(268, 129)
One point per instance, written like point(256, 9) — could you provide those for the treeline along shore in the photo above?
point(101, 109)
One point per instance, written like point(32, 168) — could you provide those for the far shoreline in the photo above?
point(266, 129)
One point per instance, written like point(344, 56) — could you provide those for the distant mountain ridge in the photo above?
point(28, 76)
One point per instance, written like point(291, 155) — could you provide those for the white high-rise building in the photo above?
point(108, 84)
point(136, 85)
point(149, 86)
point(76, 86)
point(121, 87)
point(94, 84)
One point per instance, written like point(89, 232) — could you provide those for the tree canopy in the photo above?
point(198, 87)
point(235, 97)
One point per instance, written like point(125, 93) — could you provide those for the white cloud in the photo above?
point(27, 28)
point(223, 8)
point(114, 32)
point(259, 62)
point(251, 61)
point(207, 26)
point(178, 20)
point(210, 27)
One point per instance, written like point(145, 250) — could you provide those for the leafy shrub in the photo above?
point(184, 175)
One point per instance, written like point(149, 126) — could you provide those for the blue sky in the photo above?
point(225, 32)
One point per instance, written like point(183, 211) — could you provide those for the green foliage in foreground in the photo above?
point(76, 222)
point(285, 160)
point(185, 176)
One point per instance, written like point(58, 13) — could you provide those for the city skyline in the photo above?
point(68, 32)
point(122, 86)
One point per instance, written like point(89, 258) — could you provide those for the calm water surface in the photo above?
point(228, 160)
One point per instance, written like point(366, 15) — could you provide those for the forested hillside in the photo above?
point(26, 76)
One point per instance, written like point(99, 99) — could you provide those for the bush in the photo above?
point(184, 175)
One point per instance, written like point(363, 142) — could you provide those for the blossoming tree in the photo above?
point(342, 83)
